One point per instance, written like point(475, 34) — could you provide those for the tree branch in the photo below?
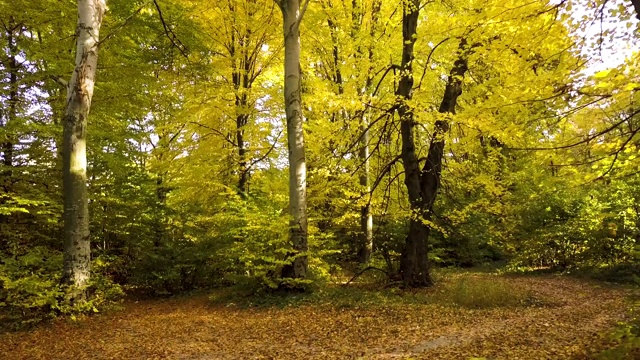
point(359, 273)
point(124, 23)
point(584, 141)
point(170, 34)
point(304, 10)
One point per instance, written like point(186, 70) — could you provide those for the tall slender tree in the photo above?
point(292, 15)
point(77, 251)
point(366, 218)
point(12, 30)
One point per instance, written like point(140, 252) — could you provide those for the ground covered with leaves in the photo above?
point(465, 316)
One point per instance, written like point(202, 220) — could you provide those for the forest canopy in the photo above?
point(165, 146)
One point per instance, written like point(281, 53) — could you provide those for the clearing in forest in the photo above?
point(471, 316)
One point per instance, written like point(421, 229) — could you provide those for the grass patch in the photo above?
point(623, 274)
point(474, 291)
point(477, 292)
point(337, 296)
point(620, 274)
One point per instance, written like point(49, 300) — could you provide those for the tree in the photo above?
point(636, 6)
point(292, 15)
point(348, 64)
point(366, 217)
point(77, 251)
point(414, 268)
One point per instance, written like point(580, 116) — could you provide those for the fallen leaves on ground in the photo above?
point(568, 326)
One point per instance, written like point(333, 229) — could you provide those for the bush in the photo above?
point(31, 289)
point(31, 285)
point(177, 267)
point(624, 342)
point(627, 273)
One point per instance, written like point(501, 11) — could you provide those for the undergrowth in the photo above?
point(469, 291)
point(624, 342)
point(478, 292)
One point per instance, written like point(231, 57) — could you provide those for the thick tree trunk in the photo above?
point(414, 268)
point(77, 253)
point(423, 185)
point(295, 136)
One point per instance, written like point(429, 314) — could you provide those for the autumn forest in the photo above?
point(320, 179)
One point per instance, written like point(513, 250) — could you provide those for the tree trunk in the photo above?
point(433, 165)
point(414, 268)
point(242, 82)
point(77, 253)
point(636, 6)
point(295, 137)
point(159, 221)
point(423, 185)
point(8, 118)
point(243, 171)
point(366, 218)
point(7, 146)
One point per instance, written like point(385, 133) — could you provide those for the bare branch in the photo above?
point(267, 153)
point(426, 65)
point(215, 131)
point(170, 34)
point(586, 140)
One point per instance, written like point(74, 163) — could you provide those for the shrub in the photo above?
point(624, 342)
point(31, 284)
point(31, 288)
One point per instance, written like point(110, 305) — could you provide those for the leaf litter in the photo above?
point(570, 324)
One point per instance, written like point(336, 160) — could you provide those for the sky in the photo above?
point(620, 40)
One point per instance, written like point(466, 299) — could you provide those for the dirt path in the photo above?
point(577, 313)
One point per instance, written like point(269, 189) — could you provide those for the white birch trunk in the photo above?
point(77, 252)
point(366, 218)
point(295, 136)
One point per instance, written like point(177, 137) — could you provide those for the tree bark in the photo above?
point(414, 268)
point(242, 119)
point(7, 146)
point(423, 185)
point(292, 16)
point(366, 217)
point(242, 81)
point(159, 222)
point(636, 6)
point(77, 252)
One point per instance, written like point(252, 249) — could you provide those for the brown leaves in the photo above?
point(193, 329)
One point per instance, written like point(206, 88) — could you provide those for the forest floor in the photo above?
point(466, 316)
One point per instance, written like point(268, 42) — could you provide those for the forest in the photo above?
point(320, 179)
